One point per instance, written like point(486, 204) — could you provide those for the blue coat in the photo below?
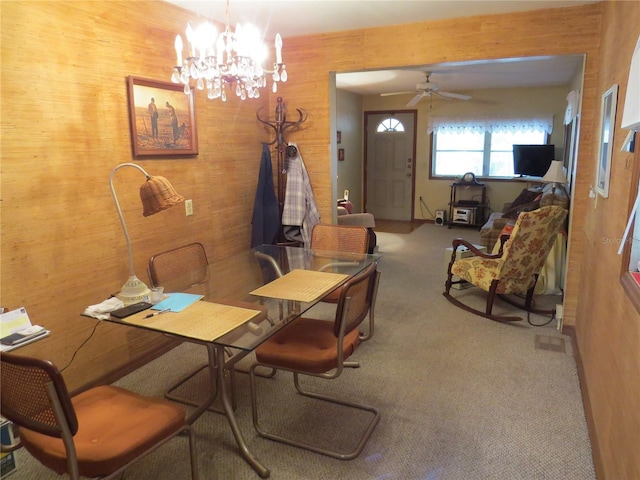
point(266, 212)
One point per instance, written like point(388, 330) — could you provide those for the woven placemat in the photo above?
point(205, 321)
point(301, 285)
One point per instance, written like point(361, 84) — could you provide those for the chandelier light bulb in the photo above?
point(178, 46)
point(189, 33)
point(278, 48)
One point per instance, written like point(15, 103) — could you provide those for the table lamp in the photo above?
point(555, 174)
point(156, 194)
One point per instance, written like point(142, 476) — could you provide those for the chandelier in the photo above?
point(232, 59)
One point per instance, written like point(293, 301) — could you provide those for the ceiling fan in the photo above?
point(427, 89)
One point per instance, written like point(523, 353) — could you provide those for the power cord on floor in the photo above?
point(81, 345)
point(553, 316)
point(429, 211)
point(533, 302)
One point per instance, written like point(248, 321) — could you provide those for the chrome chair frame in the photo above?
point(61, 421)
point(344, 304)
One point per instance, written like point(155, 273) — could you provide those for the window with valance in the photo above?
point(483, 145)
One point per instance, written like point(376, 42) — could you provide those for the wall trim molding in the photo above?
point(570, 330)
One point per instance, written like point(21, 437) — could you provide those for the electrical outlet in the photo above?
point(559, 315)
point(188, 207)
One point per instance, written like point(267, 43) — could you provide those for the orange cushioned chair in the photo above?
point(347, 239)
point(319, 348)
point(97, 433)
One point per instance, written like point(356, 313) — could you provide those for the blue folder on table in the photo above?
point(177, 302)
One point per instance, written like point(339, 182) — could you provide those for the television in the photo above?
point(532, 160)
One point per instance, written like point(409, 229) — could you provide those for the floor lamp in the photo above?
point(156, 194)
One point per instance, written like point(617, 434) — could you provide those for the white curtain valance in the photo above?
point(487, 124)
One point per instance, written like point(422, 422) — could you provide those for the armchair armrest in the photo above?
point(464, 243)
point(459, 242)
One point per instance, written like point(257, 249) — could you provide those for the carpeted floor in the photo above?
point(395, 226)
point(461, 397)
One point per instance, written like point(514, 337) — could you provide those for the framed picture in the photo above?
point(341, 154)
point(607, 128)
point(339, 137)
point(162, 118)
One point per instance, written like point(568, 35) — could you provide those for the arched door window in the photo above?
point(390, 125)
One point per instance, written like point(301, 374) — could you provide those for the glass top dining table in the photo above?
point(246, 298)
point(281, 281)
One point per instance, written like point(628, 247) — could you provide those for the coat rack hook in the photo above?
point(280, 125)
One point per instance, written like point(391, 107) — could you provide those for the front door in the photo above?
point(390, 164)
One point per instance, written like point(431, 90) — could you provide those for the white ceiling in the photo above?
point(304, 17)
point(459, 77)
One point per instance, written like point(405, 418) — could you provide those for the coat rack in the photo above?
point(280, 125)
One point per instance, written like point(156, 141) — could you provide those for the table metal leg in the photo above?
point(226, 403)
point(215, 389)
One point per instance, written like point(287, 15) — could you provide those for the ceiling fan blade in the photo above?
point(396, 93)
point(416, 99)
point(457, 96)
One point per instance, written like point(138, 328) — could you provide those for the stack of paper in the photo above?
point(16, 330)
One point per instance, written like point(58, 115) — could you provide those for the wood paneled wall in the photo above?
point(607, 324)
point(65, 126)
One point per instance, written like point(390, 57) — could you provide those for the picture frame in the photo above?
point(605, 150)
point(341, 154)
point(173, 131)
point(339, 137)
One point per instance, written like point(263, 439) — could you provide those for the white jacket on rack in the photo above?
point(300, 212)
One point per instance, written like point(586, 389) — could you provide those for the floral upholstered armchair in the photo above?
point(515, 268)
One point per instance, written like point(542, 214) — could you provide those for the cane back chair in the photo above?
point(347, 239)
point(97, 433)
point(319, 348)
point(185, 267)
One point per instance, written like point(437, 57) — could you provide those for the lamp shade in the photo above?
point(157, 194)
point(555, 174)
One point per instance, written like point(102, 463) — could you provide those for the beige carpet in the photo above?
point(461, 397)
point(395, 226)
